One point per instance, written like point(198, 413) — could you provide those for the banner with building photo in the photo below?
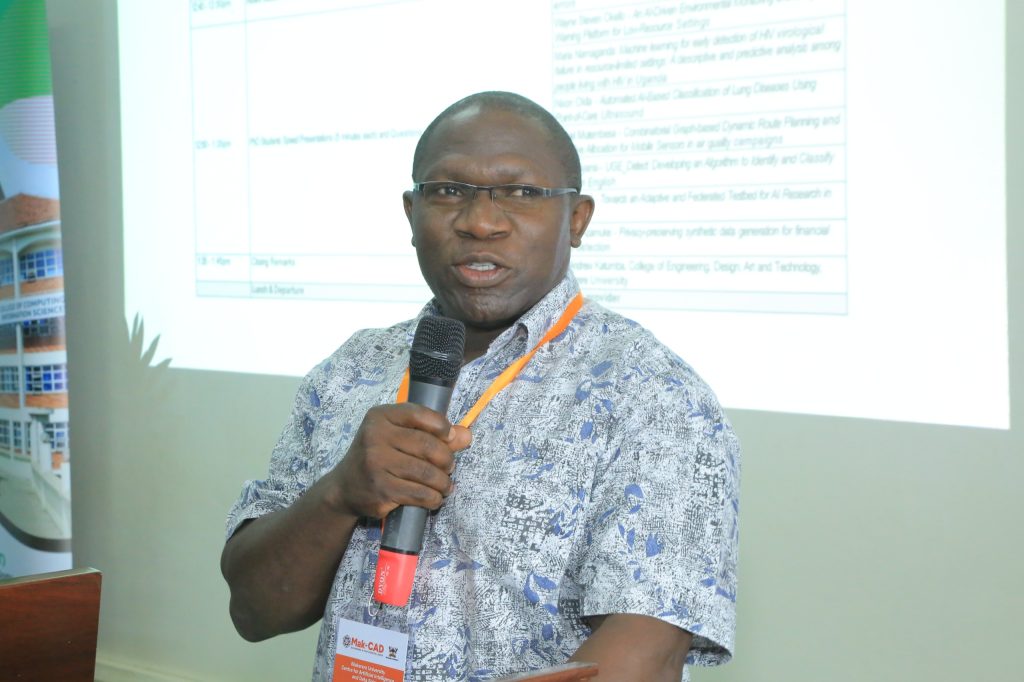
point(35, 460)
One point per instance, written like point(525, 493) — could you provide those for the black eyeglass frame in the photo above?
point(471, 190)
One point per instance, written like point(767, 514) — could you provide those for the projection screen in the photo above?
point(805, 199)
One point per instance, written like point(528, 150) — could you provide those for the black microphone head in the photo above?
point(437, 349)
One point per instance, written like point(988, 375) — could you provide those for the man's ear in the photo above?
point(407, 204)
point(582, 212)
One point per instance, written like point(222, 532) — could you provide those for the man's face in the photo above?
point(484, 265)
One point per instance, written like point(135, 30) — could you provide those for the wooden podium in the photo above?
point(49, 626)
point(567, 672)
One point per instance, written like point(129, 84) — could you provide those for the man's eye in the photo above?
point(525, 192)
point(449, 191)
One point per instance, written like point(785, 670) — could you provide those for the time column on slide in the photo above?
point(219, 43)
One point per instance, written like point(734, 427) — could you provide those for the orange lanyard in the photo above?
point(513, 370)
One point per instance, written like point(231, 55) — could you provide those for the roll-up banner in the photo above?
point(35, 457)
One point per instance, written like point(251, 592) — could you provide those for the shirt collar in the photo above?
point(533, 324)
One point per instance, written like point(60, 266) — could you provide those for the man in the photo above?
point(589, 513)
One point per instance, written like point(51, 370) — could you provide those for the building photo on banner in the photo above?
point(35, 459)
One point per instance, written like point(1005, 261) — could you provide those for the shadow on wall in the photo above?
point(136, 341)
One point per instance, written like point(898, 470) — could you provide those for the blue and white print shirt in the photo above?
point(604, 479)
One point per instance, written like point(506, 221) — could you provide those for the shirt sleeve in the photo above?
point(662, 531)
point(291, 463)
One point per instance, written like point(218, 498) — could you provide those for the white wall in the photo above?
point(871, 550)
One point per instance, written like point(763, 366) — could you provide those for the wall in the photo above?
point(871, 550)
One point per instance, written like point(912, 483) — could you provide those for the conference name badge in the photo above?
point(365, 653)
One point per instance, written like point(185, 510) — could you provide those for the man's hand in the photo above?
point(627, 646)
point(401, 455)
point(280, 567)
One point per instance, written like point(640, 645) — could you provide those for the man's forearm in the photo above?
point(633, 647)
point(280, 567)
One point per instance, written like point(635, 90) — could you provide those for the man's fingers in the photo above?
point(409, 493)
point(419, 471)
point(423, 446)
point(402, 454)
point(412, 416)
point(459, 438)
point(424, 419)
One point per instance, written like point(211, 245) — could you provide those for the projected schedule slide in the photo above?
point(801, 198)
point(712, 137)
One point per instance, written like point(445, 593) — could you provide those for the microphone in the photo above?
point(434, 363)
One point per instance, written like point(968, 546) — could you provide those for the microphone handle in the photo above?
point(402, 536)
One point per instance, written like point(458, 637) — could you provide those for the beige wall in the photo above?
point(871, 550)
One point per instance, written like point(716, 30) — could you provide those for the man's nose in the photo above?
point(481, 218)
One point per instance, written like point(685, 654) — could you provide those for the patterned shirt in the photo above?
point(603, 480)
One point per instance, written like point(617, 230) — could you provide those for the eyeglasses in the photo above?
point(449, 195)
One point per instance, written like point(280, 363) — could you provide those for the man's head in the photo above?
point(513, 103)
point(488, 263)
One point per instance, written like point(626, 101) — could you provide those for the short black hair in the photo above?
point(517, 104)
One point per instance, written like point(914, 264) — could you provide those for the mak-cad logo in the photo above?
point(364, 645)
